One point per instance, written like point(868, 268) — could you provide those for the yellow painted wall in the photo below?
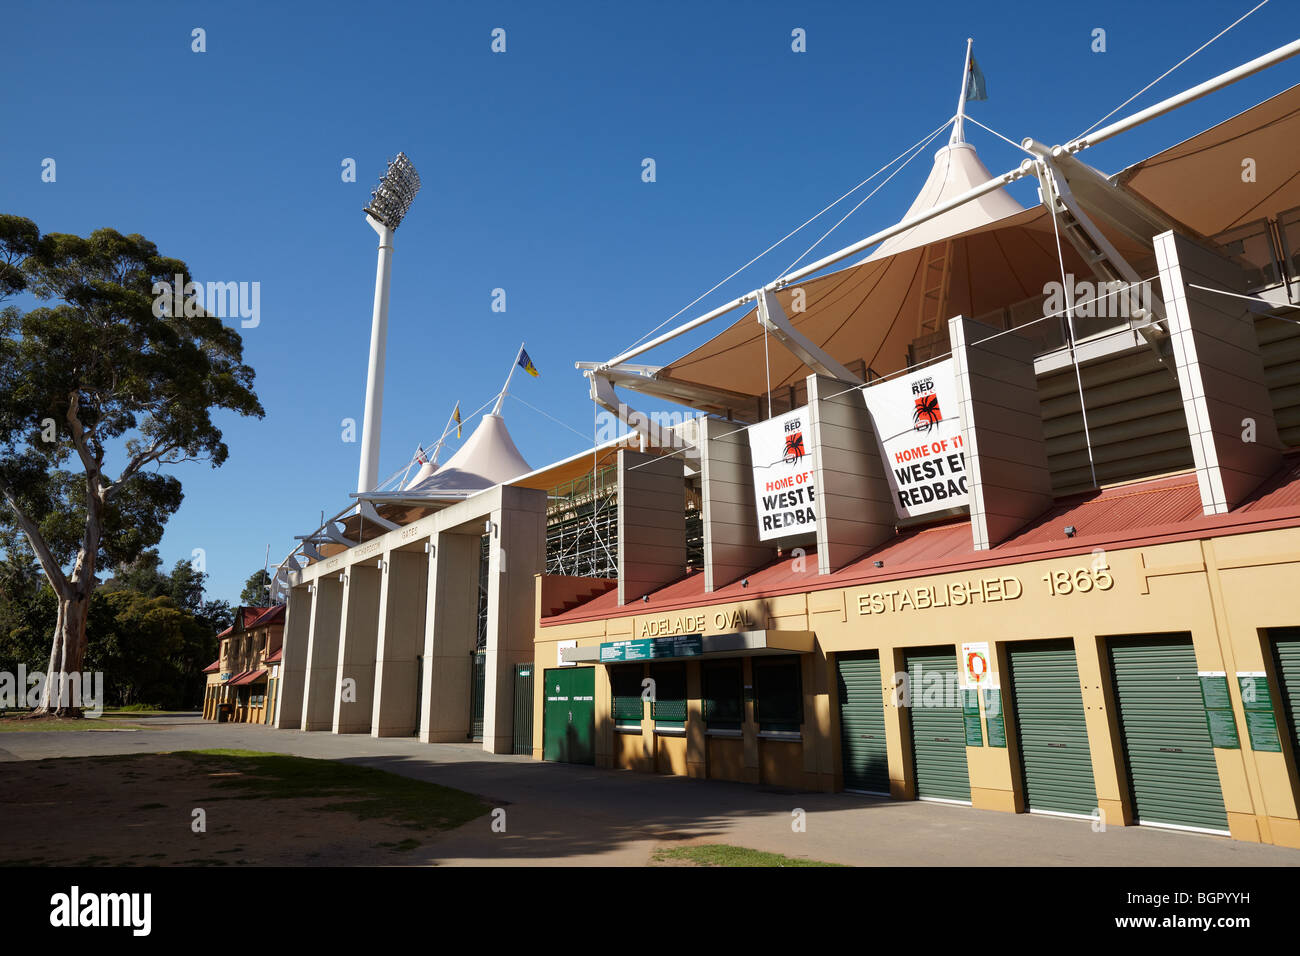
point(1225, 592)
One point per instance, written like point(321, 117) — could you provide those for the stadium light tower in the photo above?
point(388, 205)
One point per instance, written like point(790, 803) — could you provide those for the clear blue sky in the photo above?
point(531, 163)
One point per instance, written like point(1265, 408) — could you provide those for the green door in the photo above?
point(1286, 652)
point(1055, 761)
point(865, 757)
point(938, 731)
point(569, 715)
point(582, 715)
point(1172, 773)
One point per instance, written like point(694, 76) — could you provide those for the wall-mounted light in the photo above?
point(490, 527)
point(1069, 531)
point(343, 578)
point(744, 582)
point(645, 599)
point(879, 564)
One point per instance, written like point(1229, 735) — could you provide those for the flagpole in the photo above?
point(437, 449)
point(958, 131)
point(496, 409)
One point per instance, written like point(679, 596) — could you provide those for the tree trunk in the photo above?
point(66, 654)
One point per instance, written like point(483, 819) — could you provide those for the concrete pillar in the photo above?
point(358, 637)
point(293, 668)
point(1235, 444)
point(732, 547)
point(651, 523)
point(450, 630)
point(401, 638)
point(1002, 430)
point(855, 508)
point(516, 554)
point(322, 653)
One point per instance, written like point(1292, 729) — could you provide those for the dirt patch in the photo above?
point(138, 810)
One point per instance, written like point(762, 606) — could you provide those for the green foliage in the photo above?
point(102, 368)
point(255, 593)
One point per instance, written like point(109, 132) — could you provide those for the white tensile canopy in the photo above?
point(488, 457)
point(969, 261)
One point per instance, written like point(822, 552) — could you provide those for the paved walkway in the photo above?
point(558, 814)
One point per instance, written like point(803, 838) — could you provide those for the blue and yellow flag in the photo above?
point(975, 89)
point(526, 364)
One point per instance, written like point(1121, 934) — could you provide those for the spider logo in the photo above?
point(794, 450)
point(927, 414)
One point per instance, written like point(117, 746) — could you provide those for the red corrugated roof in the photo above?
point(213, 667)
point(276, 657)
point(249, 677)
point(250, 617)
point(1157, 509)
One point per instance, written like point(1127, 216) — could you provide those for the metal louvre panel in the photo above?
point(1052, 732)
point(938, 732)
point(1286, 650)
point(1171, 764)
point(864, 754)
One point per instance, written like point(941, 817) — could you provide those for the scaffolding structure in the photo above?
point(582, 526)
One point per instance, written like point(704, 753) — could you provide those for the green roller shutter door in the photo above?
point(1053, 735)
point(1286, 648)
point(938, 732)
point(1171, 766)
point(864, 755)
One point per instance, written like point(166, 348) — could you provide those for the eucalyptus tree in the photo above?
point(100, 391)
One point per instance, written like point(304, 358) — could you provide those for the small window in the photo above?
point(724, 703)
point(625, 687)
point(669, 706)
point(778, 695)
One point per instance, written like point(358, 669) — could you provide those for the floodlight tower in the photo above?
point(388, 205)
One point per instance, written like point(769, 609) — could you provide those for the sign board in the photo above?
point(919, 433)
point(1218, 710)
point(975, 669)
point(652, 648)
point(559, 654)
point(994, 717)
point(1261, 722)
point(783, 475)
point(970, 715)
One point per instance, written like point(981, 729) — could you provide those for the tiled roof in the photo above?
point(1156, 509)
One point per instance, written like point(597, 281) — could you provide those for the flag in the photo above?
point(975, 89)
point(419, 454)
point(455, 417)
point(526, 364)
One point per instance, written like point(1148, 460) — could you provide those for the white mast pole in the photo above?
point(374, 414)
point(958, 134)
point(496, 409)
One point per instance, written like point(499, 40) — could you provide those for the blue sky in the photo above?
point(531, 165)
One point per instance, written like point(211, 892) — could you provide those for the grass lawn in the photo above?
point(257, 809)
point(362, 791)
point(720, 854)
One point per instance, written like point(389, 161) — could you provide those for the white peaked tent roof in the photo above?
point(488, 457)
point(1000, 253)
point(957, 169)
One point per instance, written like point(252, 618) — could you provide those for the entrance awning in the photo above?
point(735, 644)
point(248, 677)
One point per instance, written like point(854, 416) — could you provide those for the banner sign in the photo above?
point(783, 475)
point(919, 431)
